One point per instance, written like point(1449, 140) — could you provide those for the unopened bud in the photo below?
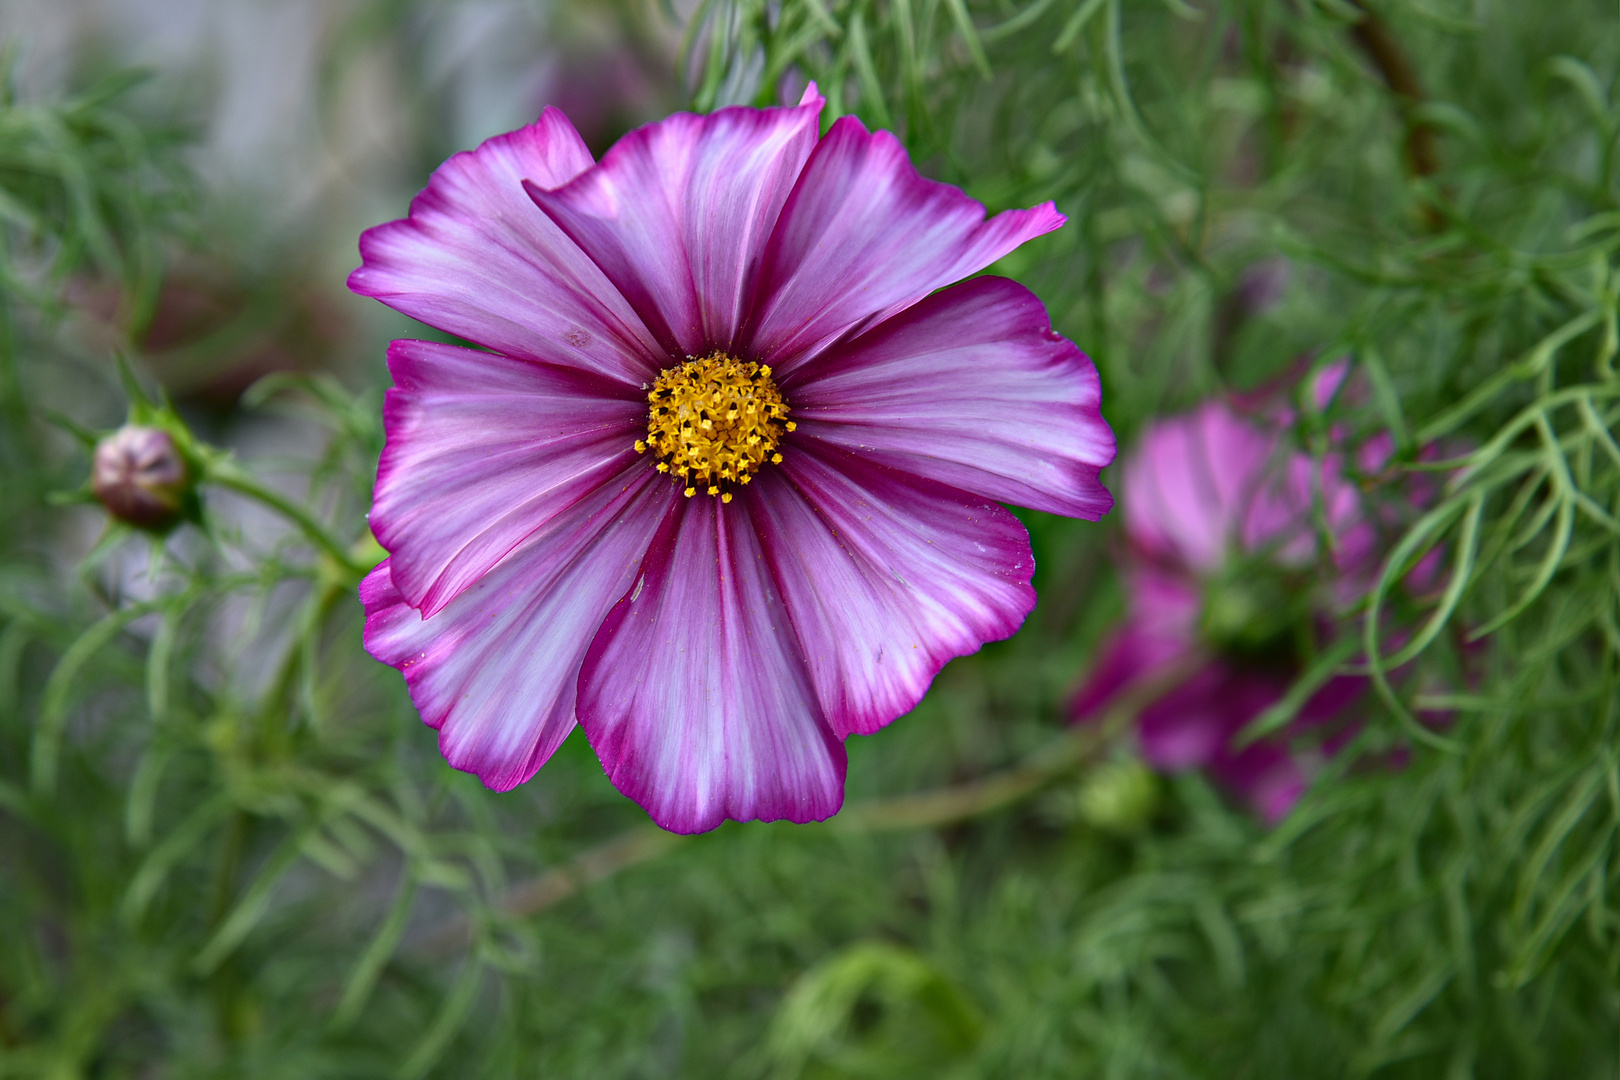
point(140, 476)
point(1119, 796)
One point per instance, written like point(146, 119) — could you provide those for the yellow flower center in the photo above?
point(714, 422)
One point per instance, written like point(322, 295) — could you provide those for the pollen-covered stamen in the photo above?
point(713, 422)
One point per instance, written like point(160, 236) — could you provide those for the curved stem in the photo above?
point(1073, 748)
point(958, 802)
point(1381, 47)
point(1070, 750)
point(229, 476)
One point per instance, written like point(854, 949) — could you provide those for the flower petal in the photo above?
point(1194, 725)
point(693, 693)
point(1190, 725)
point(1189, 485)
point(1281, 517)
point(1265, 775)
point(678, 213)
point(1204, 484)
point(1161, 628)
point(482, 451)
point(1330, 702)
point(477, 259)
point(496, 670)
point(886, 578)
point(972, 388)
point(1271, 774)
point(864, 236)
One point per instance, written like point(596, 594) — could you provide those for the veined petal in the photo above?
point(482, 451)
point(693, 693)
point(476, 258)
point(678, 213)
point(886, 578)
point(1281, 518)
point(972, 388)
point(864, 236)
point(1205, 483)
point(1189, 485)
point(496, 670)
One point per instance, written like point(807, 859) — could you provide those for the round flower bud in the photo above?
point(140, 476)
point(1119, 796)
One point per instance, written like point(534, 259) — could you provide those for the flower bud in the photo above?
point(140, 476)
point(1119, 796)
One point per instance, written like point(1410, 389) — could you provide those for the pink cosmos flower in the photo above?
point(722, 484)
point(1225, 571)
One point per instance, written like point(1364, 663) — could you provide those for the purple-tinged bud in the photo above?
point(140, 476)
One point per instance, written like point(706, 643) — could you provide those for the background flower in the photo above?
point(1224, 525)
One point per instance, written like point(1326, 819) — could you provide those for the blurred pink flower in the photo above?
point(1225, 571)
point(724, 487)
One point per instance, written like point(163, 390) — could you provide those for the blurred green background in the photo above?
point(228, 847)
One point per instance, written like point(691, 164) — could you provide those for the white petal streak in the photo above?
point(495, 671)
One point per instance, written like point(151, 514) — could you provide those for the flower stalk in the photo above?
point(227, 474)
point(1064, 754)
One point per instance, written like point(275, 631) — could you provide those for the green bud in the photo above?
point(1119, 796)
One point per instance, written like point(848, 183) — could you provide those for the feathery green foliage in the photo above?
point(228, 848)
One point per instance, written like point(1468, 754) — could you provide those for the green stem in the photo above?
point(928, 809)
point(229, 476)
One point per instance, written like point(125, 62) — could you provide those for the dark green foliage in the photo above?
point(229, 849)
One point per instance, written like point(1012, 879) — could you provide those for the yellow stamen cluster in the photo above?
point(714, 421)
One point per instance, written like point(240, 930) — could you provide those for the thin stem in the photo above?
point(1070, 750)
point(948, 805)
point(928, 809)
point(229, 476)
point(1381, 47)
